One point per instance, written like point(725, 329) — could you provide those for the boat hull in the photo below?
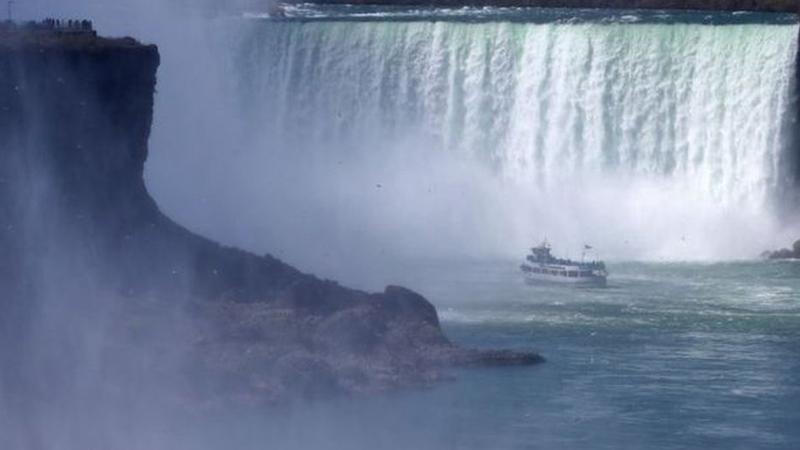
point(585, 281)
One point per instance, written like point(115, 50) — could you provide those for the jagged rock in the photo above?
point(784, 253)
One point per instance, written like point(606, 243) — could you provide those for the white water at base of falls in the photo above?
point(650, 141)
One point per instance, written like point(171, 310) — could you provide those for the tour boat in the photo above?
point(542, 267)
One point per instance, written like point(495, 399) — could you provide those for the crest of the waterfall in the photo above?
point(470, 139)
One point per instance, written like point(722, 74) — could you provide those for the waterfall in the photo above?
point(649, 140)
point(703, 105)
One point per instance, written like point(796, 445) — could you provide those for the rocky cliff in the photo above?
point(79, 232)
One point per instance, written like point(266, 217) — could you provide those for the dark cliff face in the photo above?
point(79, 233)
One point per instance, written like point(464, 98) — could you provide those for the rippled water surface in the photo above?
point(670, 356)
point(315, 12)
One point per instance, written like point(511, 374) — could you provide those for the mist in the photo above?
point(328, 182)
point(318, 151)
point(271, 156)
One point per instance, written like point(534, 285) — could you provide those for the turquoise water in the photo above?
point(671, 356)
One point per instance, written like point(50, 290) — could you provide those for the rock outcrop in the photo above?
point(785, 253)
point(79, 232)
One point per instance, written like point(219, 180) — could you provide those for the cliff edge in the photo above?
point(786, 6)
point(79, 232)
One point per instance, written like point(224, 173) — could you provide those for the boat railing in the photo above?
point(592, 265)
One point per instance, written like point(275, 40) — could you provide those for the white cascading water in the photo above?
point(650, 141)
